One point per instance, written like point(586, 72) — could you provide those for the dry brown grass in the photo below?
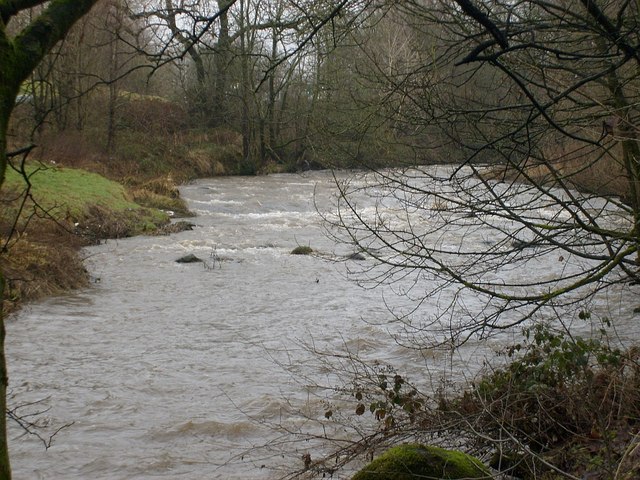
point(150, 199)
point(581, 168)
point(71, 149)
point(219, 136)
point(41, 261)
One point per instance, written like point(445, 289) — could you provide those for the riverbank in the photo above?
point(561, 407)
point(123, 192)
point(51, 212)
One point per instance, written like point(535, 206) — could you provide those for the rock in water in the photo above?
point(411, 461)
point(191, 258)
point(302, 250)
point(175, 227)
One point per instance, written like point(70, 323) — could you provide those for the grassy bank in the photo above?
point(50, 212)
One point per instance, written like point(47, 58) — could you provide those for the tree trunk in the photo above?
point(222, 59)
point(8, 94)
point(630, 149)
point(5, 466)
point(19, 57)
point(189, 42)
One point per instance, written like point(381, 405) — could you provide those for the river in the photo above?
point(169, 370)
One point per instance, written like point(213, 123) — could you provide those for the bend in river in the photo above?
point(168, 370)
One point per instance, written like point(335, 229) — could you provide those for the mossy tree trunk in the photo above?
point(19, 56)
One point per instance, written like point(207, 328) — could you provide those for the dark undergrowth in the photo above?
point(560, 407)
point(564, 407)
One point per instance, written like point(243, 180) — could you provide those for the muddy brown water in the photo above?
point(168, 370)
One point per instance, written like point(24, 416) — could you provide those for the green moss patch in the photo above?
point(69, 190)
point(411, 461)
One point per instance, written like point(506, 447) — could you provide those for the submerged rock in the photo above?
point(175, 227)
point(190, 258)
point(302, 250)
point(411, 461)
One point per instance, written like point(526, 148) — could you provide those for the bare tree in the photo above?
point(549, 93)
point(243, 57)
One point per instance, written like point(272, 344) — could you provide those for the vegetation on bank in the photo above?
point(411, 461)
point(68, 194)
point(49, 212)
point(561, 404)
point(560, 407)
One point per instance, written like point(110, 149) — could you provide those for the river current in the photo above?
point(169, 370)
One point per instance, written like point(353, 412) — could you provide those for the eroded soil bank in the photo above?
point(50, 212)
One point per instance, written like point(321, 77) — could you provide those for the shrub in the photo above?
point(558, 396)
point(149, 114)
point(42, 259)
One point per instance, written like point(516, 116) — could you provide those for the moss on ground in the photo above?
point(69, 194)
point(411, 461)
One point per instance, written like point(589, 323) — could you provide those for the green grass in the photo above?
point(43, 258)
point(70, 189)
point(69, 193)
